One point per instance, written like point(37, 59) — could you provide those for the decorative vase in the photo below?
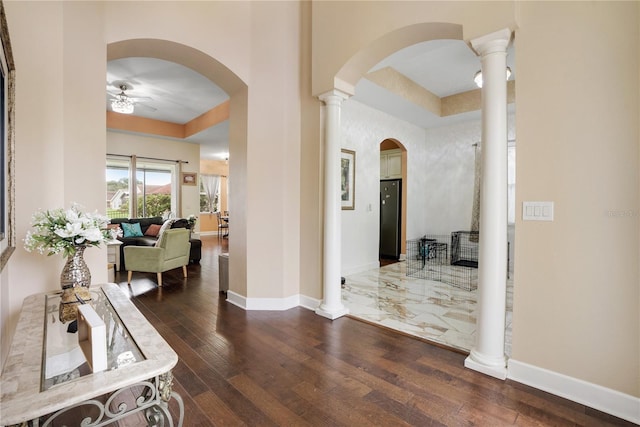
point(75, 272)
point(75, 280)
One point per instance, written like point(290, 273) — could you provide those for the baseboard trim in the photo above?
point(276, 304)
point(272, 304)
point(603, 399)
point(309, 303)
point(237, 299)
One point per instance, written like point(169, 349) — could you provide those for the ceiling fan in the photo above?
point(123, 103)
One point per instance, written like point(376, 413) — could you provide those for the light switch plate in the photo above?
point(537, 211)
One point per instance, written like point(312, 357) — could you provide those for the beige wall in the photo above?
point(60, 138)
point(311, 167)
point(576, 279)
point(273, 155)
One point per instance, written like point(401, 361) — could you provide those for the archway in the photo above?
point(237, 90)
point(489, 349)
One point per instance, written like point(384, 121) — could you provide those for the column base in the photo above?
point(494, 368)
point(332, 313)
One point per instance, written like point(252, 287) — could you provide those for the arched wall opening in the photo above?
point(238, 106)
point(364, 60)
point(360, 63)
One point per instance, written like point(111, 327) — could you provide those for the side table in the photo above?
point(46, 377)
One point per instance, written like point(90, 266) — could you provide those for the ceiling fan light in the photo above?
point(122, 104)
point(478, 77)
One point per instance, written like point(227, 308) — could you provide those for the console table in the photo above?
point(46, 377)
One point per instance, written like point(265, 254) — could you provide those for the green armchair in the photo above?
point(171, 251)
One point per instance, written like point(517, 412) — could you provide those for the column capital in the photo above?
point(333, 96)
point(493, 42)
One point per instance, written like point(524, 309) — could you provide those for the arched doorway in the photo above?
point(393, 227)
point(233, 85)
point(495, 239)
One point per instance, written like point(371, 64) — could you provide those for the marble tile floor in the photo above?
point(428, 309)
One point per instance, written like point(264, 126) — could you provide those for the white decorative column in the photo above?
point(331, 306)
point(488, 354)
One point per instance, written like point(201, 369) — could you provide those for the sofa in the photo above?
point(149, 228)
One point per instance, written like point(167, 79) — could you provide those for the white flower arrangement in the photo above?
point(62, 230)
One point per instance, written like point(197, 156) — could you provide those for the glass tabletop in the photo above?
point(63, 359)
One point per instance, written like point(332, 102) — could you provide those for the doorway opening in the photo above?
point(393, 202)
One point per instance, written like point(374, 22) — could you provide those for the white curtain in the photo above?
point(511, 182)
point(211, 184)
point(475, 210)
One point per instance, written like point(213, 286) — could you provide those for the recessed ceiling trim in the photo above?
point(217, 114)
point(401, 85)
point(137, 124)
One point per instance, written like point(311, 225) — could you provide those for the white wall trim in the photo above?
point(237, 299)
point(603, 399)
point(273, 304)
point(309, 303)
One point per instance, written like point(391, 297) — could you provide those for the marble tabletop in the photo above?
point(21, 395)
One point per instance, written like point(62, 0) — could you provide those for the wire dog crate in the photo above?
point(425, 256)
point(464, 248)
point(431, 257)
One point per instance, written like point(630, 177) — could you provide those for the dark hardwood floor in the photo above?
point(294, 368)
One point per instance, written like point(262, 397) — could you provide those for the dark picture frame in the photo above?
point(348, 179)
point(7, 147)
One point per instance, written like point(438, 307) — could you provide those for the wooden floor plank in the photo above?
point(277, 412)
point(294, 368)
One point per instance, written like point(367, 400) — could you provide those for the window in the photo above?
point(118, 188)
point(153, 189)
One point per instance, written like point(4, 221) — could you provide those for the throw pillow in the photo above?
point(167, 224)
point(131, 230)
point(153, 230)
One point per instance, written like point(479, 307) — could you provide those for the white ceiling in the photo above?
point(170, 92)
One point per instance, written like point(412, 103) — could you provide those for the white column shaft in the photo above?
point(488, 354)
point(331, 306)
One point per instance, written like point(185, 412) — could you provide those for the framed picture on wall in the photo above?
point(7, 143)
point(348, 179)
point(189, 178)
